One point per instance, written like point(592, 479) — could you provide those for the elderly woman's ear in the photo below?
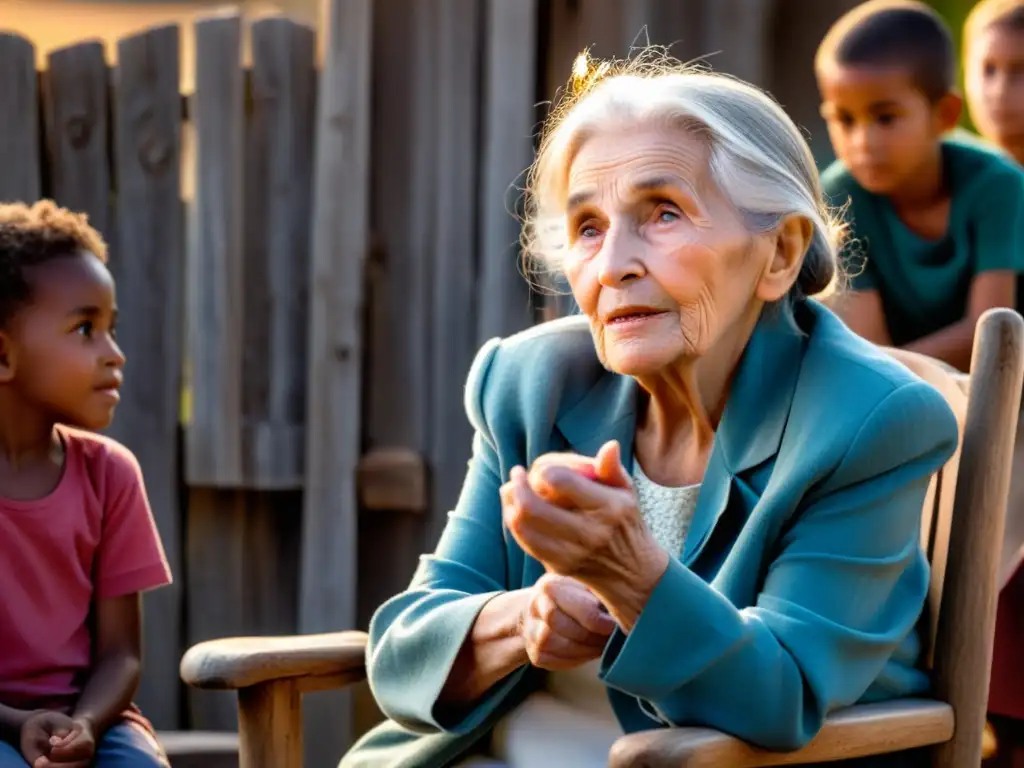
point(790, 242)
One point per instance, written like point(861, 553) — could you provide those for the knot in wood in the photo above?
point(78, 128)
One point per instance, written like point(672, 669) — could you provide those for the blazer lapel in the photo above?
point(607, 412)
point(754, 419)
point(749, 433)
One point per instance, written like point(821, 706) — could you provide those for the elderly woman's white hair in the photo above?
point(758, 158)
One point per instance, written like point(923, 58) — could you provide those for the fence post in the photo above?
point(214, 311)
point(149, 266)
point(75, 104)
point(340, 234)
point(19, 130)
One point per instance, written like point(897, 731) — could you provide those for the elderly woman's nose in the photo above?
point(621, 256)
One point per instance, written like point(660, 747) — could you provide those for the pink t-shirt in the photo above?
point(93, 537)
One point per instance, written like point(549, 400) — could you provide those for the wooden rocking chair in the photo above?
point(962, 529)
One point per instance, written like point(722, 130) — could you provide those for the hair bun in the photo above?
point(818, 271)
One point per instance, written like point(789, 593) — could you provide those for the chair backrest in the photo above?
point(937, 513)
point(963, 521)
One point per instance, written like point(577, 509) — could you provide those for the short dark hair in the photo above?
point(1004, 14)
point(31, 235)
point(903, 33)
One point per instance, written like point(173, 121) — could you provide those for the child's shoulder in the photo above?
point(839, 185)
point(108, 463)
point(976, 163)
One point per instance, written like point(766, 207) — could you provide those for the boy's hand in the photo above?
point(53, 739)
point(75, 750)
point(37, 733)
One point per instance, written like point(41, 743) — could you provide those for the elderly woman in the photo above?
point(702, 496)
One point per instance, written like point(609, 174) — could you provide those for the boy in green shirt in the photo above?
point(937, 219)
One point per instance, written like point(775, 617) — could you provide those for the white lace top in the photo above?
point(667, 511)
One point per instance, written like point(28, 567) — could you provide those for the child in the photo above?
point(77, 539)
point(994, 68)
point(938, 218)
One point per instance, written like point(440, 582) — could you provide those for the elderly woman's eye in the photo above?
point(666, 214)
point(588, 229)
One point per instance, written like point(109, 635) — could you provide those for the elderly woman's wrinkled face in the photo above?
point(657, 258)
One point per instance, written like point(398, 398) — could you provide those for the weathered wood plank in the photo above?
point(243, 549)
point(278, 194)
point(216, 552)
point(399, 291)
point(148, 263)
point(215, 293)
point(19, 129)
point(509, 96)
point(454, 341)
point(402, 222)
point(340, 245)
point(76, 109)
point(570, 28)
point(739, 30)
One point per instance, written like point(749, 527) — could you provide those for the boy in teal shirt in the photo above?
point(937, 218)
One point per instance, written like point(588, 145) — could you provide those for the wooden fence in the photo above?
point(308, 249)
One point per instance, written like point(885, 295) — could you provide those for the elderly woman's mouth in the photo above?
point(632, 316)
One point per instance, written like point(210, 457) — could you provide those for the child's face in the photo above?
point(59, 351)
point(883, 128)
point(995, 87)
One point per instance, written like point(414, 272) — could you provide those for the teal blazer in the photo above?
point(802, 578)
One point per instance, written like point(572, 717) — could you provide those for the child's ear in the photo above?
point(948, 110)
point(6, 358)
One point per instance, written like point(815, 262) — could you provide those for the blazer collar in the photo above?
point(755, 414)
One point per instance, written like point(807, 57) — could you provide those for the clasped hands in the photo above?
point(52, 739)
point(579, 517)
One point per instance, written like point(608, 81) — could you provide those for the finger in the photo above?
point(526, 511)
point(552, 651)
point(62, 735)
point(37, 743)
point(580, 604)
point(543, 608)
point(80, 749)
point(609, 466)
point(573, 490)
point(584, 465)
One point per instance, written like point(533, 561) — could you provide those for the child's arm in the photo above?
point(129, 561)
point(862, 311)
point(118, 660)
point(112, 682)
point(996, 226)
point(953, 344)
point(11, 720)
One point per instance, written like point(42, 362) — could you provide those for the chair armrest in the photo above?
point(334, 659)
point(866, 729)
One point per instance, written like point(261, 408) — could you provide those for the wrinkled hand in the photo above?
point(564, 624)
point(577, 526)
point(45, 733)
point(579, 517)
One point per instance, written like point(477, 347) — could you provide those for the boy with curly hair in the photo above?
point(78, 544)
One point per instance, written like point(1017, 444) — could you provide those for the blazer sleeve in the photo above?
point(846, 587)
point(415, 636)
